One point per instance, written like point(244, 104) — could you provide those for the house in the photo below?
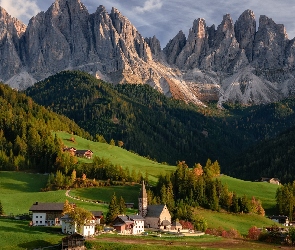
point(176, 226)
point(156, 216)
point(129, 224)
point(46, 214)
point(282, 219)
point(71, 150)
point(98, 215)
point(69, 227)
point(84, 153)
point(74, 241)
point(275, 181)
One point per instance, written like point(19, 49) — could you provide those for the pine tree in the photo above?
point(1, 209)
point(122, 206)
point(113, 209)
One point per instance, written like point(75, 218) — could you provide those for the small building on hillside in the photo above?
point(74, 241)
point(46, 214)
point(176, 226)
point(129, 224)
point(275, 181)
point(281, 219)
point(69, 227)
point(156, 216)
point(98, 215)
point(84, 153)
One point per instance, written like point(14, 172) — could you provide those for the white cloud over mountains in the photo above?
point(22, 9)
point(149, 5)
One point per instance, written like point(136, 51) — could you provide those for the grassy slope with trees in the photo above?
point(145, 120)
point(170, 130)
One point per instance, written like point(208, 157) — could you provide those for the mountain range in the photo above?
point(233, 62)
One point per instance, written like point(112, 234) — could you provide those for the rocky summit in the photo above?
point(235, 62)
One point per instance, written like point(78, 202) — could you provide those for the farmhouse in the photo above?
point(46, 214)
point(98, 215)
point(282, 219)
point(79, 153)
point(129, 224)
point(69, 227)
point(156, 216)
point(270, 180)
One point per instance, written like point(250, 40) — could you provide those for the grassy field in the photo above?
point(16, 234)
point(129, 193)
point(18, 191)
point(118, 156)
point(265, 192)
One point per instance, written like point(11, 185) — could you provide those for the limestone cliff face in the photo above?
point(233, 62)
point(10, 32)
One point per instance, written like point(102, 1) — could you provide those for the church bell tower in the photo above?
point(142, 201)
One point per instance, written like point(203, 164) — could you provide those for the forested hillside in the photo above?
point(146, 121)
point(26, 140)
point(270, 158)
point(169, 130)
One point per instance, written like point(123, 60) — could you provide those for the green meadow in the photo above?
point(263, 191)
point(118, 156)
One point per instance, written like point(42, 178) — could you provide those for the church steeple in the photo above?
point(142, 201)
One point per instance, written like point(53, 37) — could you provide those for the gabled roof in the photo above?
point(155, 210)
point(47, 207)
point(97, 213)
point(135, 217)
point(176, 224)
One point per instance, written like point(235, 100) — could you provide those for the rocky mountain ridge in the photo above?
point(234, 62)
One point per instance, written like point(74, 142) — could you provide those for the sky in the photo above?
point(165, 18)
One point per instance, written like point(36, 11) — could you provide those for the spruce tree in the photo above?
point(1, 209)
point(113, 210)
point(122, 206)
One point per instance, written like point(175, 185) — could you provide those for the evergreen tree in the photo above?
point(1, 209)
point(122, 206)
point(113, 210)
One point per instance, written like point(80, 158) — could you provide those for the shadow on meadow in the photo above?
point(37, 243)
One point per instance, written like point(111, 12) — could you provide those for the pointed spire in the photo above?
point(143, 193)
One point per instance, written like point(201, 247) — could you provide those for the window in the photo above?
point(36, 222)
point(41, 216)
point(36, 216)
point(40, 222)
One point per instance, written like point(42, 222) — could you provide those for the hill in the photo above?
point(145, 120)
point(270, 158)
point(117, 156)
point(26, 141)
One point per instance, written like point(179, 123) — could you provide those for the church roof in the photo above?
point(155, 210)
point(143, 193)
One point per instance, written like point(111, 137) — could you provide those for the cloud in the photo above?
point(149, 5)
point(21, 9)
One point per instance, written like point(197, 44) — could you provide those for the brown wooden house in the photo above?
point(73, 242)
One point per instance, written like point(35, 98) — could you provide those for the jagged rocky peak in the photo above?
point(225, 29)
point(196, 46)
point(11, 24)
point(174, 47)
point(245, 29)
point(155, 46)
point(273, 37)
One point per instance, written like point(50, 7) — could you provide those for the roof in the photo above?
point(47, 207)
point(97, 213)
point(83, 151)
point(155, 210)
point(176, 224)
point(135, 217)
point(143, 193)
point(165, 223)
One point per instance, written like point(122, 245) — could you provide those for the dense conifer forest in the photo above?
point(26, 140)
point(169, 130)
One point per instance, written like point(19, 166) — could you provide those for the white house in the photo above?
point(129, 224)
point(46, 214)
point(68, 227)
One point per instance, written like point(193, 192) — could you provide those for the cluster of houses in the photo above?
point(149, 216)
point(87, 153)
